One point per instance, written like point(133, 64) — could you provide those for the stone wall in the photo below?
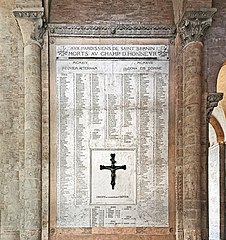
point(11, 125)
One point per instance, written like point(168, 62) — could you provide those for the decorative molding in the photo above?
point(193, 30)
point(194, 24)
point(122, 30)
point(36, 15)
point(212, 102)
point(33, 13)
point(204, 13)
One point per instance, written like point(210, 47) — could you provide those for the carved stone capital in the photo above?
point(212, 102)
point(32, 23)
point(194, 24)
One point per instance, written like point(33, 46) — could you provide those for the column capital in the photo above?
point(32, 23)
point(194, 23)
point(212, 102)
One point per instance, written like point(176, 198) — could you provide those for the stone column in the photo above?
point(32, 28)
point(192, 28)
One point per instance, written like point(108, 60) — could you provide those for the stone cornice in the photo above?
point(121, 30)
point(28, 13)
point(39, 25)
point(194, 23)
point(212, 102)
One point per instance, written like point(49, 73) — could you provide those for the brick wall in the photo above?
point(179, 6)
point(117, 11)
point(197, 4)
point(215, 45)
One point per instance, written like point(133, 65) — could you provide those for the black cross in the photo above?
point(113, 169)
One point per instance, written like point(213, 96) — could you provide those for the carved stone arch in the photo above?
point(218, 129)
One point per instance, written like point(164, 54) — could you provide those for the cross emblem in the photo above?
point(113, 169)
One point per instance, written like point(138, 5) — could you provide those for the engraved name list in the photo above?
point(112, 135)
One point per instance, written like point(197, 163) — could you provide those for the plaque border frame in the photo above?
point(73, 232)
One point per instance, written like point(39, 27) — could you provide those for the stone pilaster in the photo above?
point(32, 25)
point(212, 102)
point(192, 29)
point(222, 190)
point(178, 76)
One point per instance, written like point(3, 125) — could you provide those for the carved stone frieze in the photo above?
point(194, 24)
point(124, 30)
point(39, 26)
point(212, 102)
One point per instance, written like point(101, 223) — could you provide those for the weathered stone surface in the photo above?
point(192, 82)
point(212, 102)
point(30, 191)
point(32, 23)
point(194, 24)
point(11, 124)
point(116, 30)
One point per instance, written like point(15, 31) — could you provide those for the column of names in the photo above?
point(110, 106)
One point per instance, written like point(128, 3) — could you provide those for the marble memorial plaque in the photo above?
point(112, 99)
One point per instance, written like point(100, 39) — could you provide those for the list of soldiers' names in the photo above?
point(112, 99)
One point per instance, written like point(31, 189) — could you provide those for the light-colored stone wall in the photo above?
point(45, 140)
point(214, 192)
point(11, 126)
